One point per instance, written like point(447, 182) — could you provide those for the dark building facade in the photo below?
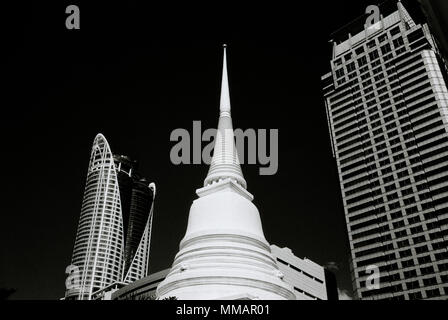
point(331, 285)
point(136, 201)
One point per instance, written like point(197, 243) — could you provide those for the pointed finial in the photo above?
point(224, 106)
point(225, 162)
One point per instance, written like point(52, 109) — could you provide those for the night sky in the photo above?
point(135, 73)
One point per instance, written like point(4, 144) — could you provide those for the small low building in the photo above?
point(310, 280)
point(143, 289)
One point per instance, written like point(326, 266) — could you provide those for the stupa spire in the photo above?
point(224, 253)
point(224, 105)
point(225, 163)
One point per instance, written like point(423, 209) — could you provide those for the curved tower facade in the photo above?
point(113, 237)
point(224, 254)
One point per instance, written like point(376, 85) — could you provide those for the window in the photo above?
point(421, 249)
point(396, 215)
point(386, 48)
point(375, 71)
point(379, 139)
point(369, 96)
point(382, 38)
point(407, 263)
point(381, 147)
point(398, 42)
point(390, 187)
point(401, 50)
point(381, 83)
point(410, 274)
point(417, 229)
point(395, 150)
point(281, 261)
point(388, 57)
point(350, 67)
point(404, 182)
point(395, 31)
point(424, 196)
point(373, 55)
point(376, 63)
point(295, 268)
point(412, 285)
point(378, 78)
point(432, 293)
point(398, 224)
point(430, 281)
point(364, 69)
point(371, 44)
point(359, 50)
point(425, 259)
point(415, 295)
point(406, 192)
point(366, 83)
point(339, 73)
point(402, 244)
point(405, 253)
point(362, 61)
point(427, 270)
point(401, 234)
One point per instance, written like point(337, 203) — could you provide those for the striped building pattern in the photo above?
point(387, 107)
point(113, 238)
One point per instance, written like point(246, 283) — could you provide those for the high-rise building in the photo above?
point(113, 238)
point(224, 254)
point(309, 279)
point(387, 107)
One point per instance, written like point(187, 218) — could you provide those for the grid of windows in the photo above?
point(389, 138)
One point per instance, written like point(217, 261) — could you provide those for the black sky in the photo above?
point(135, 73)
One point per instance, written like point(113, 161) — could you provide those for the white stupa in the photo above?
point(224, 254)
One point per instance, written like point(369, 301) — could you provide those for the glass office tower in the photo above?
point(387, 106)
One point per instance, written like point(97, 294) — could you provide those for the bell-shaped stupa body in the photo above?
point(224, 254)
